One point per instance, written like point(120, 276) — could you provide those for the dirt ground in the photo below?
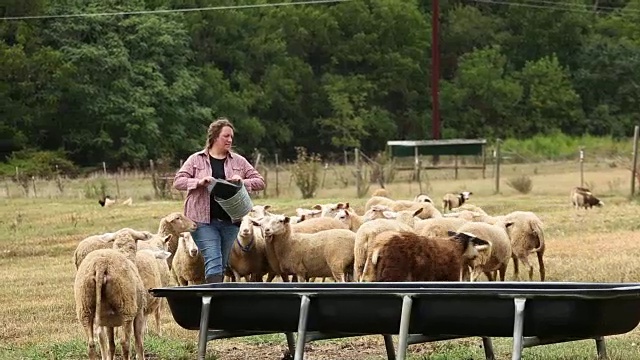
point(356, 348)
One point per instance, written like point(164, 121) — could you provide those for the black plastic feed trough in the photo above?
point(533, 313)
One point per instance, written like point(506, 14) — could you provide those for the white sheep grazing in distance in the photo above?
point(108, 293)
point(451, 201)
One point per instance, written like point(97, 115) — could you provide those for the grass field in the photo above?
point(37, 317)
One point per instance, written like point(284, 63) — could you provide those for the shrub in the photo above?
point(305, 171)
point(521, 184)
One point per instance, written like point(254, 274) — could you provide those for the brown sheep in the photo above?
point(406, 256)
point(582, 197)
point(381, 192)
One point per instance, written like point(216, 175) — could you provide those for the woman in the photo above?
point(215, 233)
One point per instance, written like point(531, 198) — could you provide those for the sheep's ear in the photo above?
point(346, 205)
point(389, 214)
point(418, 211)
point(166, 239)
point(317, 207)
point(480, 243)
point(375, 256)
point(315, 212)
point(161, 254)
point(508, 224)
point(286, 219)
point(451, 233)
point(256, 222)
point(481, 247)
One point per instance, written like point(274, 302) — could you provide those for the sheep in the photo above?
point(451, 201)
point(147, 262)
point(381, 192)
point(259, 211)
point(329, 210)
point(106, 201)
point(349, 217)
point(527, 236)
point(321, 254)
point(305, 214)
point(437, 227)
point(422, 198)
point(470, 207)
point(187, 266)
point(172, 225)
point(248, 254)
point(402, 220)
point(582, 197)
point(497, 258)
point(474, 216)
point(428, 210)
point(109, 292)
point(406, 256)
point(317, 224)
point(103, 241)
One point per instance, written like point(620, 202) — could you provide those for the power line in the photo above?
point(562, 6)
point(168, 11)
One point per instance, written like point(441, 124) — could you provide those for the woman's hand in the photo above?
point(206, 181)
point(236, 178)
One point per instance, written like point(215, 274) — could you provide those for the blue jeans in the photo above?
point(214, 241)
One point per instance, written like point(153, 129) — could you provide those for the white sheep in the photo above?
point(108, 293)
point(349, 216)
point(326, 253)
point(187, 266)
point(248, 256)
point(437, 227)
point(103, 241)
point(527, 236)
point(497, 258)
point(451, 201)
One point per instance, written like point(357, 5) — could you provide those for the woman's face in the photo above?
point(225, 139)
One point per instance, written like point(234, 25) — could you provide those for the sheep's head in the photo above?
point(344, 216)
point(472, 245)
point(180, 223)
point(188, 244)
point(403, 216)
point(465, 194)
point(259, 211)
point(126, 244)
point(273, 225)
point(246, 226)
point(330, 210)
point(423, 198)
point(377, 212)
point(308, 213)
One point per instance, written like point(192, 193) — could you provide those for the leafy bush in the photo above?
point(521, 184)
point(305, 171)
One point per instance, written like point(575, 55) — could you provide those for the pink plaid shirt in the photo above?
point(197, 204)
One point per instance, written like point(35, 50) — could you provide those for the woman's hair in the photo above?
point(215, 128)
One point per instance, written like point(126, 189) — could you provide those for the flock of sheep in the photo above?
point(392, 240)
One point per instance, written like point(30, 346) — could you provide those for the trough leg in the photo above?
point(601, 348)
point(518, 327)
point(291, 342)
point(403, 336)
point(487, 344)
point(388, 345)
point(204, 326)
point(302, 327)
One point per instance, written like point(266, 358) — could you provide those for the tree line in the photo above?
point(125, 89)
